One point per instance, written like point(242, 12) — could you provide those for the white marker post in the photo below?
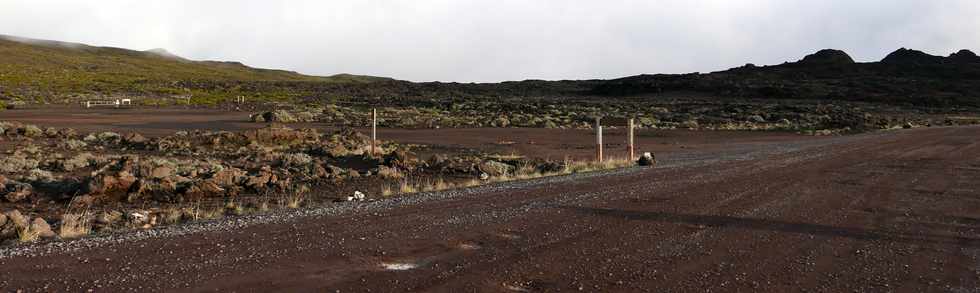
point(598, 140)
point(374, 131)
point(631, 149)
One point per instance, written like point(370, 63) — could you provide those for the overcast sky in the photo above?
point(481, 41)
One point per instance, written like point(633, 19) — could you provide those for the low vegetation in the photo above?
point(806, 117)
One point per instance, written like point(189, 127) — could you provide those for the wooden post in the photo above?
point(631, 150)
point(374, 131)
point(598, 140)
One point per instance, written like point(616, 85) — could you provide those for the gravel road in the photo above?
point(885, 212)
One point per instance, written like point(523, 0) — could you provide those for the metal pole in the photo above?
point(598, 140)
point(632, 154)
point(374, 131)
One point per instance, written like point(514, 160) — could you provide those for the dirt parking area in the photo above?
point(883, 212)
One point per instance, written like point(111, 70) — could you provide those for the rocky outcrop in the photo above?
point(283, 116)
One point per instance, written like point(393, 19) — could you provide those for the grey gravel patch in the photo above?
point(680, 159)
point(399, 266)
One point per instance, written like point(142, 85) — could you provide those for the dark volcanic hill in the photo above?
point(903, 77)
point(964, 56)
point(827, 57)
point(912, 57)
point(48, 71)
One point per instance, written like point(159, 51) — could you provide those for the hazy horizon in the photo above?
point(482, 41)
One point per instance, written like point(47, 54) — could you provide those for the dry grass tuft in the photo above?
point(26, 235)
point(406, 187)
point(295, 199)
point(387, 190)
point(74, 225)
point(171, 215)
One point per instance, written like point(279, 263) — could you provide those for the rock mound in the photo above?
point(964, 56)
point(827, 57)
point(905, 56)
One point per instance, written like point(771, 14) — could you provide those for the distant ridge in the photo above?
point(39, 70)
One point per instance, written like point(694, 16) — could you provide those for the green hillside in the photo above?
point(49, 71)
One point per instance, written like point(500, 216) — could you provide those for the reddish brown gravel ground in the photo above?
point(886, 212)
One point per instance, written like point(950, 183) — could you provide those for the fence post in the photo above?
point(631, 150)
point(374, 131)
point(598, 140)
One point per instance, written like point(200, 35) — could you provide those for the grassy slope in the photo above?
point(41, 70)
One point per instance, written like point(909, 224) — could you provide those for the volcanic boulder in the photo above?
point(16, 191)
point(647, 159)
point(494, 168)
point(102, 184)
point(42, 228)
